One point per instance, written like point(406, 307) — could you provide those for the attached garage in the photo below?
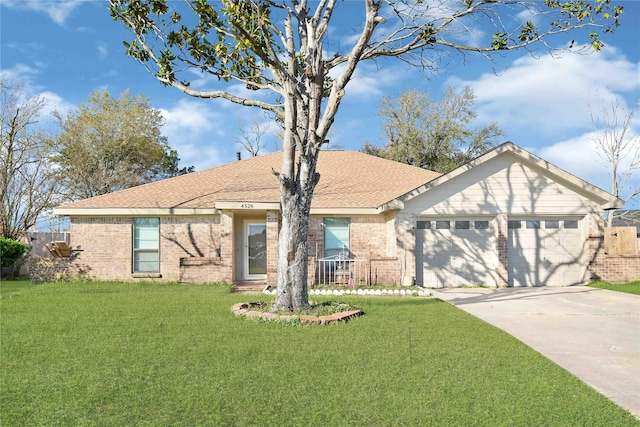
point(508, 218)
point(545, 252)
point(456, 252)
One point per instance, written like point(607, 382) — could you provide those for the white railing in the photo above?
point(341, 272)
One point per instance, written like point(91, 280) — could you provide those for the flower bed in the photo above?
point(256, 310)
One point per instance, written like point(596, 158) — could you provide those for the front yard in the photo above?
point(105, 354)
point(629, 287)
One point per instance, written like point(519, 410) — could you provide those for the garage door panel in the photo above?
point(437, 246)
point(545, 256)
point(456, 257)
point(438, 275)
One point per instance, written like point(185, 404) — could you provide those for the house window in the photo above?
point(552, 224)
point(481, 225)
point(513, 225)
point(424, 225)
point(570, 223)
point(533, 224)
point(146, 245)
point(462, 225)
point(336, 237)
point(442, 225)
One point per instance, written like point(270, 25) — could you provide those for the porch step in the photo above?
point(249, 287)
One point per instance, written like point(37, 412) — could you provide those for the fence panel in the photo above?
point(39, 240)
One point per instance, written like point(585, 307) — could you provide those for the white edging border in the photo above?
point(371, 292)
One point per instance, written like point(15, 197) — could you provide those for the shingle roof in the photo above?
point(348, 179)
point(627, 218)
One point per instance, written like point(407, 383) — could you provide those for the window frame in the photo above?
point(135, 251)
point(335, 251)
point(514, 224)
point(481, 224)
point(443, 224)
point(571, 224)
point(462, 224)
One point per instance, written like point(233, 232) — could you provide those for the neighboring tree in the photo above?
point(434, 135)
point(279, 48)
point(620, 148)
point(252, 138)
point(110, 144)
point(27, 187)
point(170, 166)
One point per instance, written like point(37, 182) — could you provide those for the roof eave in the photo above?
point(134, 211)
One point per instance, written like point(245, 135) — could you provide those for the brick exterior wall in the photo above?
point(104, 246)
point(192, 249)
point(502, 225)
point(406, 243)
point(368, 240)
point(614, 269)
point(201, 249)
point(227, 243)
point(273, 228)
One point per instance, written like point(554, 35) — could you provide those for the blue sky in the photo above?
point(63, 50)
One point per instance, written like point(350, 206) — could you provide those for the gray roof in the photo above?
point(627, 218)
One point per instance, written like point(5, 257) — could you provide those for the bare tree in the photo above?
point(27, 187)
point(620, 148)
point(280, 48)
point(252, 138)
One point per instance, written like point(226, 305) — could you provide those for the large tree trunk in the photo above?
point(292, 292)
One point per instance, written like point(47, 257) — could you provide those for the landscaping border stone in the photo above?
point(247, 309)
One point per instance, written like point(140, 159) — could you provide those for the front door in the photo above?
point(255, 250)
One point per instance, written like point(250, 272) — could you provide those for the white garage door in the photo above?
point(545, 252)
point(456, 252)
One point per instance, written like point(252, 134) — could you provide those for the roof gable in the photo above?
point(528, 161)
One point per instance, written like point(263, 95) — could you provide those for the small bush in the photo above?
point(11, 251)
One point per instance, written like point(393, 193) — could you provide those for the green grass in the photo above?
point(12, 287)
point(114, 354)
point(630, 287)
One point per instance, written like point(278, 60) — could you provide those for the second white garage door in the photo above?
point(456, 252)
point(545, 252)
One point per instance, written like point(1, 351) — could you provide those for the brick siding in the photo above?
point(273, 228)
point(502, 225)
point(200, 249)
point(613, 269)
point(368, 240)
point(192, 249)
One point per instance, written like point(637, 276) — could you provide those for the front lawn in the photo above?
point(629, 287)
point(8, 287)
point(114, 354)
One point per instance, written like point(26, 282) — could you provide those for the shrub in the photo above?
point(11, 251)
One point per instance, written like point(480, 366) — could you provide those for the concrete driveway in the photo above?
point(592, 333)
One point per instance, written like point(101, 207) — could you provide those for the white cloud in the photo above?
point(58, 10)
point(103, 50)
point(550, 95)
point(196, 132)
point(581, 157)
point(370, 81)
point(20, 72)
point(24, 75)
point(54, 102)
